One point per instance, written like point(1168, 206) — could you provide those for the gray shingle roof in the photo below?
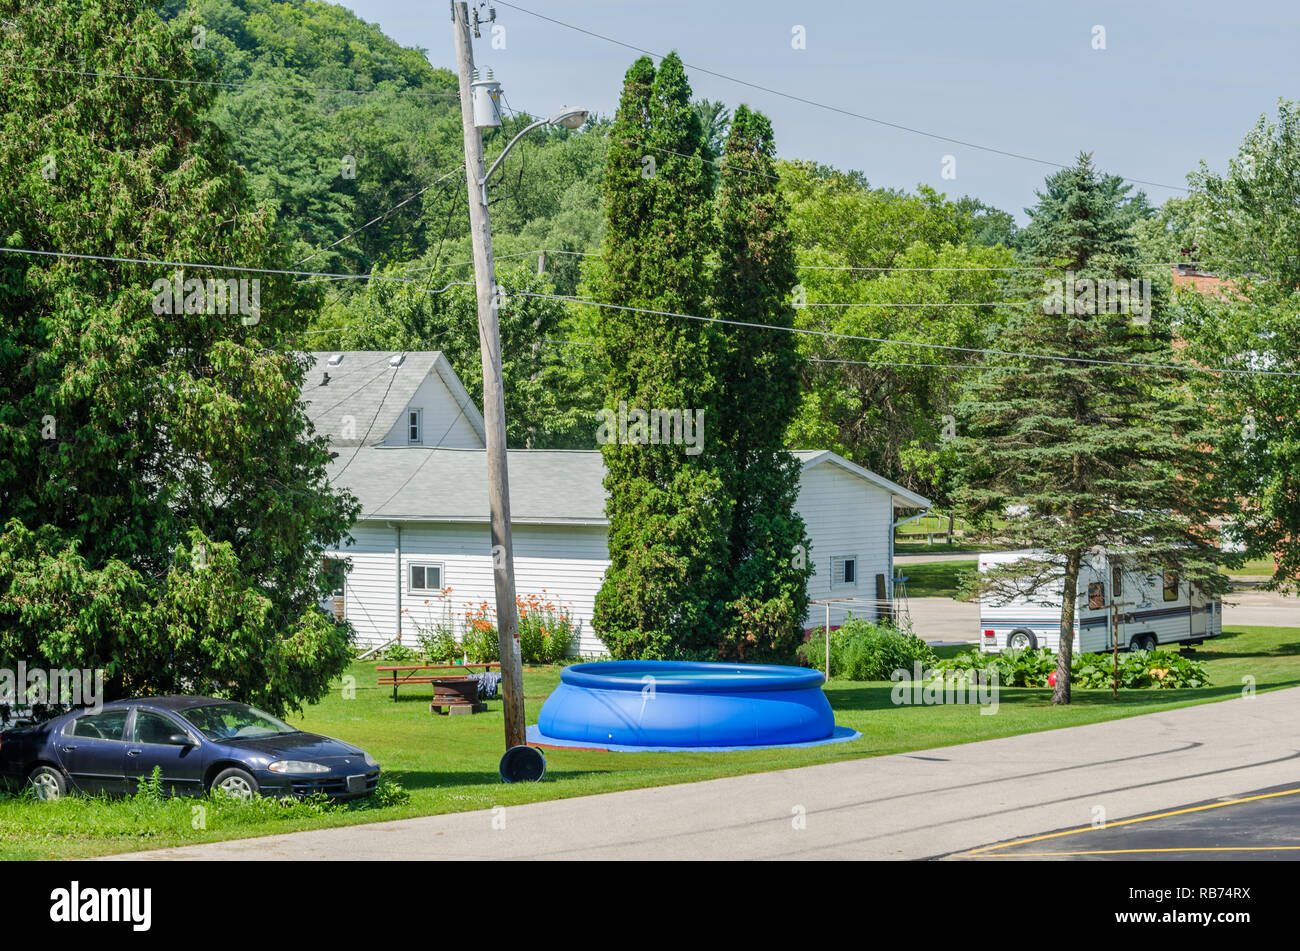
point(364, 387)
point(414, 483)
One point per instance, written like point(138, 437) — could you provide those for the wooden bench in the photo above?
point(411, 674)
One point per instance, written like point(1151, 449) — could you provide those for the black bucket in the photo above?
point(523, 764)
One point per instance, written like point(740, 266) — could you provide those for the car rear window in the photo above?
point(107, 725)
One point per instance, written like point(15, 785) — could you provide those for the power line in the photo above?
point(408, 198)
point(378, 407)
point(229, 85)
point(911, 343)
point(975, 303)
point(826, 106)
point(208, 266)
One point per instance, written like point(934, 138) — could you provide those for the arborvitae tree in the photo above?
point(758, 374)
point(667, 510)
point(162, 507)
point(1100, 454)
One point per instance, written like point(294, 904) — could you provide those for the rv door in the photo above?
point(1199, 618)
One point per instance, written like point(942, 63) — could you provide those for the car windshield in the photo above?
point(235, 721)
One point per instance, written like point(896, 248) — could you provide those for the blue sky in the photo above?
point(1177, 82)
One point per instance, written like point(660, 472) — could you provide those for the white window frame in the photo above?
point(837, 571)
point(411, 589)
point(418, 426)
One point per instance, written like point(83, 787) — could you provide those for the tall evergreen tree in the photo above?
point(1099, 454)
point(162, 509)
point(759, 374)
point(667, 510)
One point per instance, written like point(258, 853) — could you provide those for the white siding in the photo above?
point(845, 516)
point(444, 422)
point(566, 563)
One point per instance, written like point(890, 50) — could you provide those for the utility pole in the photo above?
point(494, 411)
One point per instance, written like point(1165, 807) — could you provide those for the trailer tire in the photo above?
point(1022, 639)
point(1143, 642)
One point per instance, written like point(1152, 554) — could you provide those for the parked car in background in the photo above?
point(199, 745)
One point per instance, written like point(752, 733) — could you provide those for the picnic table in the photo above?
point(452, 693)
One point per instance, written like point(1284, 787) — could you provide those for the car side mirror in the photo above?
point(180, 739)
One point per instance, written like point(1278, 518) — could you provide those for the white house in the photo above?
point(424, 510)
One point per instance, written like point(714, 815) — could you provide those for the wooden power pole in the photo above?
point(494, 410)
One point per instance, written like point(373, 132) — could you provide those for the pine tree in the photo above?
point(1100, 454)
point(667, 511)
point(759, 377)
point(162, 507)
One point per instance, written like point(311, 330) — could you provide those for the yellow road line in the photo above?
point(1243, 848)
point(1124, 822)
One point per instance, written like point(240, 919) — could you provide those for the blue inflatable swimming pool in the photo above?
point(677, 704)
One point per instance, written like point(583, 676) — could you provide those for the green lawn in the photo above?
point(934, 579)
point(449, 763)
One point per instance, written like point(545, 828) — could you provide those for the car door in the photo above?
point(91, 749)
point(153, 744)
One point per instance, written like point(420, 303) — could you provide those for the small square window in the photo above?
point(844, 571)
point(1096, 596)
point(425, 577)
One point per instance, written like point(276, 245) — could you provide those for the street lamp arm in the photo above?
point(506, 151)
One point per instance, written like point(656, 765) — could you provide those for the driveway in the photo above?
point(945, 621)
point(929, 804)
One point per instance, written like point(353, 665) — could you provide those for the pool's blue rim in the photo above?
point(596, 675)
point(841, 734)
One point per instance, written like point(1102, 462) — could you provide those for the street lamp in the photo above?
point(569, 117)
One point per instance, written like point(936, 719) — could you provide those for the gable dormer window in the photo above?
point(414, 418)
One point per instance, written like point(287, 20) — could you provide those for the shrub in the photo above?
point(865, 650)
point(400, 654)
point(437, 643)
point(546, 632)
point(437, 639)
point(1159, 669)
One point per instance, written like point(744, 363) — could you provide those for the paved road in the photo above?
point(1260, 824)
point(944, 556)
point(928, 804)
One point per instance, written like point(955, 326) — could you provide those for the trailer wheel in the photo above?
point(1143, 642)
point(1022, 640)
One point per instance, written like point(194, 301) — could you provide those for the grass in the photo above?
point(448, 764)
point(934, 579)
point(1254, 568)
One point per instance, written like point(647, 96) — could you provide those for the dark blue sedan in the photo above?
point(200, 745)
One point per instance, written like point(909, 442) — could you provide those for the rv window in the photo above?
point(1171, 586)
point(1096, 595)
point(1116, 582)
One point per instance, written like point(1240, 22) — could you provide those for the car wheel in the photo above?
point(1022, 641)
point(47, 783)
point(235, 782)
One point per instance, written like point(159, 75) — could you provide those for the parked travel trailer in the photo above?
point(1157, 608)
